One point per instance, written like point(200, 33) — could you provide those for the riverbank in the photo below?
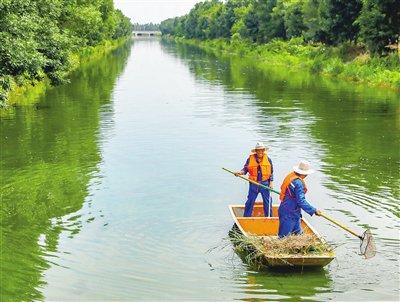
point(23, 93)
point(344, 62)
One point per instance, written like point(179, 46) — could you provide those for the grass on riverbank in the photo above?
point(24, 91)
point(347, 61)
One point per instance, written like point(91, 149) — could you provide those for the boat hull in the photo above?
point(258, 225)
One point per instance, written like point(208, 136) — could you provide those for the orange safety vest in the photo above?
point(287, 181)
point(253, 167)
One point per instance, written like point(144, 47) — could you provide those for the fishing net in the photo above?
point(367, 246)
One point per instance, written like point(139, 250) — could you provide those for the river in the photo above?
point(112, 187)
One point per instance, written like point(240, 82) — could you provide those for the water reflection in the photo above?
point(46, 168)
point(270, 285)
point(357, 127)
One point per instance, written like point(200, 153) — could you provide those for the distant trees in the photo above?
point(374, 22)
point(146, 27)
point(38, 36)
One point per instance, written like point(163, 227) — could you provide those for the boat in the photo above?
point(258, 225)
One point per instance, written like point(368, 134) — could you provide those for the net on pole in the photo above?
point(367, 246)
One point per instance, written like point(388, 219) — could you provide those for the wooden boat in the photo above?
point(258, 225)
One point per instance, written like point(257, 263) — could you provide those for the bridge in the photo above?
point(144, 33)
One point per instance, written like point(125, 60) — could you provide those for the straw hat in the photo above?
point(259, 146)
point(303, 168)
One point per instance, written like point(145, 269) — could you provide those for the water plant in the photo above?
point(254, 249)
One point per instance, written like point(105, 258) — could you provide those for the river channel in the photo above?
point(112, 187)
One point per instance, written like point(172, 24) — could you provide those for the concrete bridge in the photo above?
point(143, 33)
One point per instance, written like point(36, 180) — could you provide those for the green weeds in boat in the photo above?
point(255, 248)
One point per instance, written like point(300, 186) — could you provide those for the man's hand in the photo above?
point(318, 213)
point(239, 173)
point(271, 184)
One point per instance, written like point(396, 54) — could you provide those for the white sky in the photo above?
point(146, 11)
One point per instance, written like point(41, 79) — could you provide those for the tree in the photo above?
point(379, 23)
point(269, 25)
point(340, 17)
point(37, 37)
point(239, 27)
point(293, 17)
point(229, 16)
point(314, 12)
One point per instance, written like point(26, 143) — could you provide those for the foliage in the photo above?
point(37, 37)
point(146, 27)
point(340, 22)
point(314, 19)
point(293, 16)
point(333, 22)
point(239, 26)
point(317, 58)
point(379, 23)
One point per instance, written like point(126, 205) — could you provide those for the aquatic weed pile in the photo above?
point(294, 245)
point(305, 244)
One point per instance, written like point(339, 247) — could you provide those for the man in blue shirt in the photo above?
point(293, 200)
point(260, 169)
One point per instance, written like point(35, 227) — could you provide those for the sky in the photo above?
point(146, 11)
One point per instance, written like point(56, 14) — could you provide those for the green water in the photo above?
point(112, 188)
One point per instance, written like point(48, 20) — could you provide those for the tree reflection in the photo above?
point(49, 154)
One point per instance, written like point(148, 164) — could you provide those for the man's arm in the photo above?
point(301, 199)
point(244, 170)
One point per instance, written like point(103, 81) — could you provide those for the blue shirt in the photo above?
point(259, 173)
point(294, 202)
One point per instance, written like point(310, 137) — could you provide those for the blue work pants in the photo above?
point(251, 198)
point(289, 225)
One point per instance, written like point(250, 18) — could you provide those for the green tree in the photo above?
point(202, 20)
point(37, 37)
point(146, 27)
point(239, 27)
point(269, 23)
point(123, 26)
point(375, 22)
point(251, 22)
point(230, 14)
point(315, 15)
point(379, 23)
point(340, 18)
point(293, 17)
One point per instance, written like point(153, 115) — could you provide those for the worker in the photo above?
point(293, 200)
point(260, 169)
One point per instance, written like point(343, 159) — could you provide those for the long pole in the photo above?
point(277, 192)
point(340, 225)
point(252, 181)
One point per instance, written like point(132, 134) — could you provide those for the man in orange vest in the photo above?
point(260, 169)
point(293, 200)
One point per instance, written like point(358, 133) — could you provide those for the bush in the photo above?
point(334, 67)
point(317, 65)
